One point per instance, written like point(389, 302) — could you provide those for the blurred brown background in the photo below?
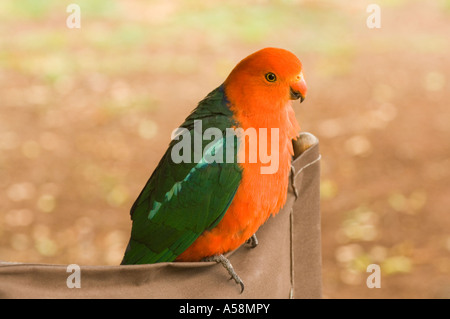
point(86, 114)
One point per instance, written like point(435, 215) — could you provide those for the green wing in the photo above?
point(181, 201)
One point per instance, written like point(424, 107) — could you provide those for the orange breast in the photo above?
point(258, 196)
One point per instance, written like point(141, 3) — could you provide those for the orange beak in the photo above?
point(298, 88)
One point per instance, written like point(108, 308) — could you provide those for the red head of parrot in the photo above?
point(265, 79)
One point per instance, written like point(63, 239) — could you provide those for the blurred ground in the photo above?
point(85, 115)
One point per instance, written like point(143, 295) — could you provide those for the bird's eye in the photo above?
point(271, 77)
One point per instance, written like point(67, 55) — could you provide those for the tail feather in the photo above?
point(138, 253)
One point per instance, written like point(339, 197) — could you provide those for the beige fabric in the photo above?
point(285, 264)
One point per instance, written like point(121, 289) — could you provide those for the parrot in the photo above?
point(198, 210)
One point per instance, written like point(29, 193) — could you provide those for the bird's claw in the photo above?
point(252, 241)
point(227, 265)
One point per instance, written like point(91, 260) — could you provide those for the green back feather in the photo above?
point(181, 201)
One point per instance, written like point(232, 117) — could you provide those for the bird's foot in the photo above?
point(226, 263)
point(252, 241)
